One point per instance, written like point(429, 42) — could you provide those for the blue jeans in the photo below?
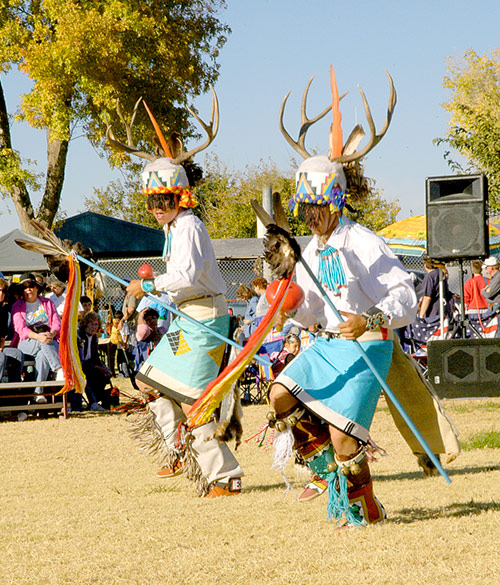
point(13, 358)
point(46, 357)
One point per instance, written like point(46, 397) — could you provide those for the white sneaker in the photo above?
point(40, 399)
point(60, 375)
point(22, 416)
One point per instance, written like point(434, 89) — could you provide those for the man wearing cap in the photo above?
point(492, 292)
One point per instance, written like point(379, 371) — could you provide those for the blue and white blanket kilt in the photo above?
point(186, 359)
point(332, 380)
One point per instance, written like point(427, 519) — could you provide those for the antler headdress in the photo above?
point(321, 180)
point(165, 173)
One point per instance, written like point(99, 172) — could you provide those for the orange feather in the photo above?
point(159, 133)
point(336, 140)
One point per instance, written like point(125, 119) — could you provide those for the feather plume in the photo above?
point(46, 249)
point(281, 219)
point(56, 251)
point(336, 127)
point(261, 213)
point(50, 237)
point(355, 137)
point(159, 133)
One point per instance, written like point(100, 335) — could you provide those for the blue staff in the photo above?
point(174, 310)
point(379, 378)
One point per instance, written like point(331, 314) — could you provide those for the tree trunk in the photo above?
point(57, 153)
point(17, 190)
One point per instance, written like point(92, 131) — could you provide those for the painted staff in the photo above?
point(173, 309)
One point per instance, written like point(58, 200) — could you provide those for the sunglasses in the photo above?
point(29, 284)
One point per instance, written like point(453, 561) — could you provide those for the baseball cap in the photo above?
point(27, 277)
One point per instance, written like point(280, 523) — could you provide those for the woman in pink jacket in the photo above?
point(37, 325)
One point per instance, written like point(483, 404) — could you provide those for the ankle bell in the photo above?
point(353, 466)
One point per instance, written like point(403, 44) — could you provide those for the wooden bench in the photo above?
point(54, 401)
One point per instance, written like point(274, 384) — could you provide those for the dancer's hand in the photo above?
point(353, 327)
point(135, 289)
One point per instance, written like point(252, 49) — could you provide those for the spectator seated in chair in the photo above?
point(291, 349)
point(97, 374)
point(37, 325)
point(148, 335)
point(11, 358)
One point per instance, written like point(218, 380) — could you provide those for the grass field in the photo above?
point(80, 505)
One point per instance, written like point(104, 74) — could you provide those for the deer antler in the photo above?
point(374, 137)
point(299, 145)
point(130, 147)
point(176, 142)
point(211, 129)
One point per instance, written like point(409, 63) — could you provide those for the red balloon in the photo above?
point(293, 299)
point(146, 271)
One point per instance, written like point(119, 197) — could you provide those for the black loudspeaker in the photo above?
point(457, 225)
point(464, 368)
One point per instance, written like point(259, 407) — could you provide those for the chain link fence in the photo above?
point(234, 272)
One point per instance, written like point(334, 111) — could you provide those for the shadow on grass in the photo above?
point(410, 515)
point(418, 474)
point(163, 489)
point(264, 488)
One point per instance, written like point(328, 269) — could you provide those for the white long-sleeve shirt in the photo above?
point(374, 277)
point(192, 269)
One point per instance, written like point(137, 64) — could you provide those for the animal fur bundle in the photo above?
point(282, 251)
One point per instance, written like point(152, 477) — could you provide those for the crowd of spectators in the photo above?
point(114, 341)
point(31, 311)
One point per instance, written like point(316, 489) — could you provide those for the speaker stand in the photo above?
point(460, 327)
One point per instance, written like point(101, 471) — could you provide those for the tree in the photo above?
point(474, 126)
point(224, 200)
point(82, 56)
point(225, 196)
point(375, 213)
point(122, 199)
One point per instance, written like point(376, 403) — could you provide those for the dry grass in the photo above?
point(80, 505)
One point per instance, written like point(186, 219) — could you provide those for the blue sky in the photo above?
point(275, 46)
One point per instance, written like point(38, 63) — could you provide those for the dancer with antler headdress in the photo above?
point(324, 400)
point(187, 358)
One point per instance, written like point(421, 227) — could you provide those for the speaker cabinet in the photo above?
point(457, 226)
point(464, 368)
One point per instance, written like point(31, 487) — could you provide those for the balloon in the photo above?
point(293, 298)
point(146, 271)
